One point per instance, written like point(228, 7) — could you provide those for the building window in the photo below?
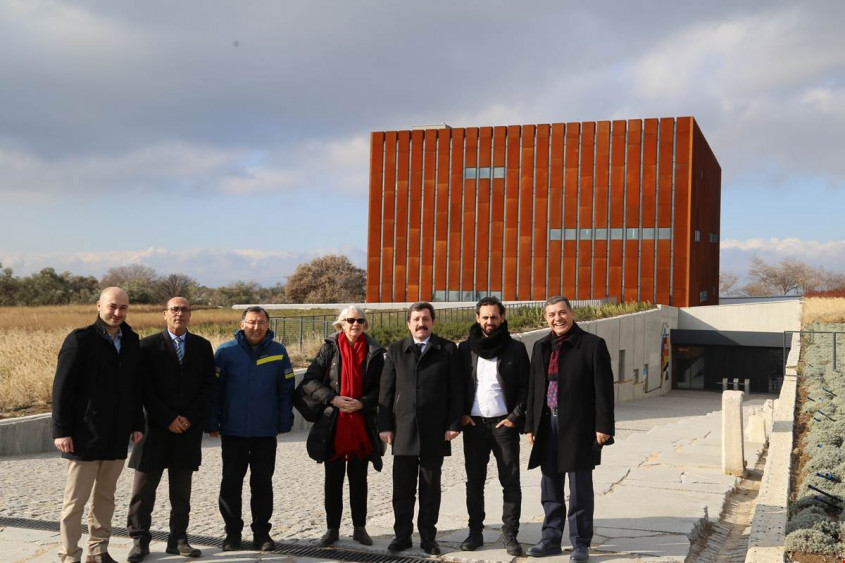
point(586, 234)
point(631, 234)
point(554, 234)
point(664, 233)
point(697, 236)
point(570, 234)
point(483, 173)
point(601, 234)
point(470, 173)
point(615, 234)
point(648, 233)
point(498, 171)
point(714, 237)
point(702, 297)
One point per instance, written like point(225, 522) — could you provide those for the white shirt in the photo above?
point(489, 397)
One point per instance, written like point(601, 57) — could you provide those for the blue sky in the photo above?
point(229, 141)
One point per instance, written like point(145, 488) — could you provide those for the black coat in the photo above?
point(420, 400)
point(512, 373)
point(172, 390)
point(97, 393)
point(328, 363)
point(585, 398)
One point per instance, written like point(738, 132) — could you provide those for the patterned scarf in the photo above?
point(350, 438)
point(552, 390)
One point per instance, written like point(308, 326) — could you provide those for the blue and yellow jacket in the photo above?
point(254, 388)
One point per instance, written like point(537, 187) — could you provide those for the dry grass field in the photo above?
point(30, 338)
point(823, 310)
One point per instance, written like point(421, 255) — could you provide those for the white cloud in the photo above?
point(735, 255)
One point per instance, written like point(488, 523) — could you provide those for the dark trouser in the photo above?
point(259, 454)
point(143, 500)
point(356, 469)
point(479, 441)
point(406, 469)
point(581, 505)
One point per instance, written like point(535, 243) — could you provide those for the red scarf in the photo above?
point(350, 437)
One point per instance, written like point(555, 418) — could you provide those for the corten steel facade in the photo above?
point(627, 210)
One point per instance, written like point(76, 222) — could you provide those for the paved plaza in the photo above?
point(652, 490)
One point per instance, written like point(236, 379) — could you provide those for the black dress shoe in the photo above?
point(331, 536)
point(430, 546)
point(264, 543)
point(580, 553)
point(512, 546)
point(473, 541)
point(232, 542)
point(100, 558)
point(543, 549)
point(399, 544)
point(138, 552)
point(183, 548)
point(361, 536)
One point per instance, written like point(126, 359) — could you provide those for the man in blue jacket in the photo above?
point(251, 404)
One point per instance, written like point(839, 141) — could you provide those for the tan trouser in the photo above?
point(82, 477)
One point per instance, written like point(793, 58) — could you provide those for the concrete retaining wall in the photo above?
point(775, 316)
point(768, 526)
point(26, 435)
point(640, 337)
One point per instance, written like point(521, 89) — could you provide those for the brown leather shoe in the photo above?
point(100, 558)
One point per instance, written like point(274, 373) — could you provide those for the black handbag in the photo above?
point(320, 442)
point(310, 409)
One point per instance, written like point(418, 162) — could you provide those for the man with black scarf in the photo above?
point(495, 369)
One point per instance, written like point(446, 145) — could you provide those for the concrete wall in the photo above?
point(26, 435)
point(640, 336)
point(773, 316)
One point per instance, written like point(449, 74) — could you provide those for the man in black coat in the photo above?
point(495, 368)
point(96, 409)
point(178, 370)
point(568, 418)
point(420, 404)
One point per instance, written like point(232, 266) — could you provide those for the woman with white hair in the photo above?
point(345, 374)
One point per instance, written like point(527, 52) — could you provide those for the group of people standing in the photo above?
point(414, 397)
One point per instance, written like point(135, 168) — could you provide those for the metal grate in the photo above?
point(281, 548)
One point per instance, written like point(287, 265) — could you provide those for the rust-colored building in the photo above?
point(622, 209)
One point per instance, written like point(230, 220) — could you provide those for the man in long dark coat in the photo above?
point(420, 407)
point(178, 368)
point(568, 418)
point(96, 408)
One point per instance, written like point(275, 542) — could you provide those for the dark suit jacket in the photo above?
point(172, 390)
point(420, 400)
point(512, 375)
point(585, 398)
point(96, 393)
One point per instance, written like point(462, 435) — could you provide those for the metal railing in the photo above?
point(813, 334)
point(294, 331)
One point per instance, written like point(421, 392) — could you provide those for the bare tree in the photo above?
point(176, 285)
point(728, 284)
point(791, 276)
point(138, 280)
point(327, 279)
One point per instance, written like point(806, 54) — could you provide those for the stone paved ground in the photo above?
point(32, 486)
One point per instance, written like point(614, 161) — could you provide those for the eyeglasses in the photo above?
point(255, 323)
point(175, 310)
point(353, 321)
